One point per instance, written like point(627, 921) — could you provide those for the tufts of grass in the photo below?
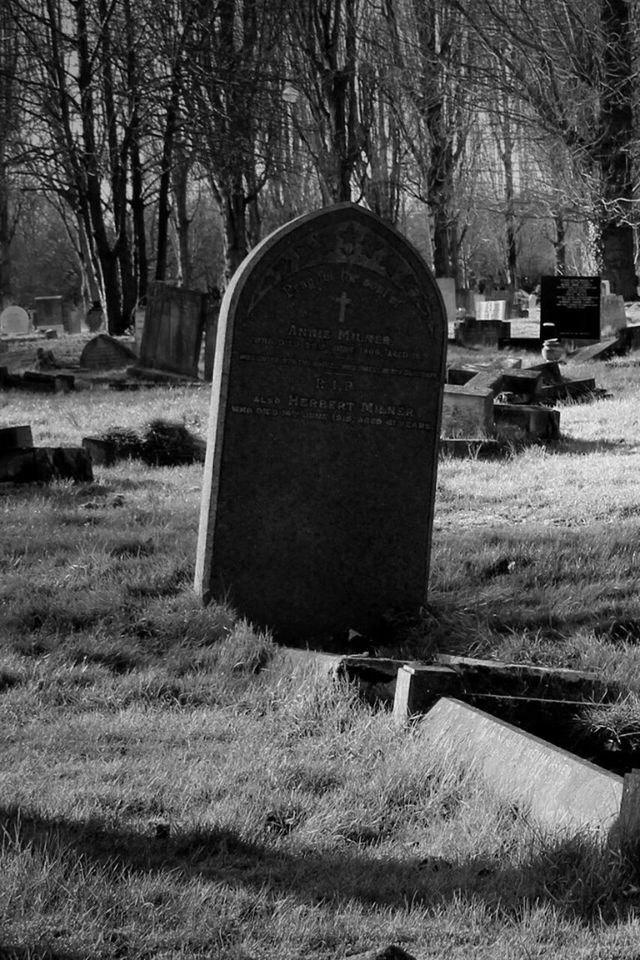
point(170, 789)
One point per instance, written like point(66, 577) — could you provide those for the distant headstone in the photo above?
point(138, 325)
point(319, 483)
point(50, 312)
point(448, 290)
point(106, 353)
point(14, 320)
point(95, 317)
point(73, 320)
point(173, 327)
point(573, 305)
point(613, 314)
point(491, 310)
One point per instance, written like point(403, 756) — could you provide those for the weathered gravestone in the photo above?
point(14, 320)
point(173, 326)
point(491, 310)
point(50, 312)
point(447, 287)
point(321, 464)
point(105, 353)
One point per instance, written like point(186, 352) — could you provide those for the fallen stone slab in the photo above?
point(16, 438)
point(568, 390)
point(467, 412)
point(550, 370)
point(525, 382)
point(163, 376)
point(559, 791)
point(44, 464)
point(46, 382)
point(596, 351)
point(457, 376)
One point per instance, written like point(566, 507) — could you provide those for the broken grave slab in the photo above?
point(467, 412)
point(525, 422)
point(527, 679)
point(15, 438)
point(418, 685)
point(44, 464)
point(550, 370)
point(596, 351)
point(558, 790)
point(457, 376)
point(566, 390)
point(47, 382)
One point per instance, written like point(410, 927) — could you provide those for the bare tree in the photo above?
point(234, 85)
point(571, 63)
point(10, 110)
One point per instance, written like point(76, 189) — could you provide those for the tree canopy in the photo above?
point(164, 137)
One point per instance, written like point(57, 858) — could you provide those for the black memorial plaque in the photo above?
point(572, 304)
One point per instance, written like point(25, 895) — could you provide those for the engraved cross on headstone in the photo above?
point(344, 302)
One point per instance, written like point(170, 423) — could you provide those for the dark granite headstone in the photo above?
point(173, 327)
point(325, 419)
point(572, 304)
point(50, 312)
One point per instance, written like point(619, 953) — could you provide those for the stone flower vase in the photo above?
point(552, 350)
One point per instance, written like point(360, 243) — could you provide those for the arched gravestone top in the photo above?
point(14, 319)
point(320, 476)
point(103, 352)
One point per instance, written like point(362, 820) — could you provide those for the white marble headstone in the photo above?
point(491, 310)
point(14, 319)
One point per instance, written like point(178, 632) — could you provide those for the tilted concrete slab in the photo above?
point(557, 789)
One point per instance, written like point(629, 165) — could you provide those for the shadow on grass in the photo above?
point(9, 952)
point(573, 875)
point(574, 445)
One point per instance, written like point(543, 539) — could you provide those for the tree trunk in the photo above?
point(140, 262)
point(234, 230)
point(560, 246)
point(164, 206)
point(616, 125)
point(5, 237)
point(182, 220)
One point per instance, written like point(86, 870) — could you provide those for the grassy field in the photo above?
point(171, 787)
